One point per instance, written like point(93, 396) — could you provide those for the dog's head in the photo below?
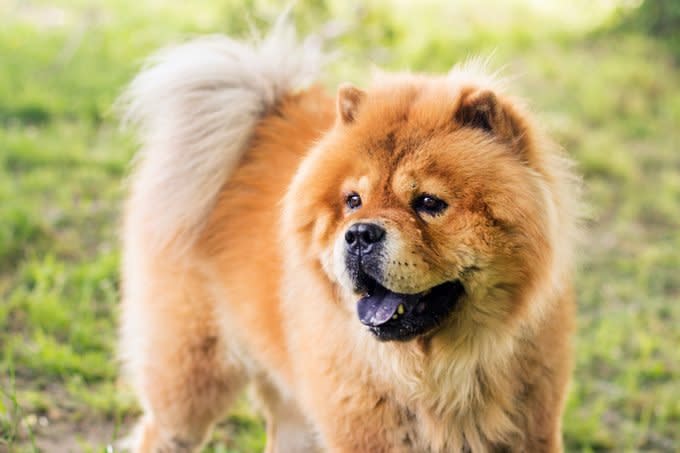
point(429, 200)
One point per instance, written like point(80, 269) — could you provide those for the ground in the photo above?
point(611, 98)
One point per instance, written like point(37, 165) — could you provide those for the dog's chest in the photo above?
point(407, 435)
point(423, 432)
point(412, 431)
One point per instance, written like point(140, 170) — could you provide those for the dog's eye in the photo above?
point(353, 201)
point(429, 204)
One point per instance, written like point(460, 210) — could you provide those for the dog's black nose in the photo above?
point(362, 237)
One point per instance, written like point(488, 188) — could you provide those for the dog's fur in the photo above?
point(233, 264)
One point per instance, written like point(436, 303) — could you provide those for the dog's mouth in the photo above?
point(401, 317)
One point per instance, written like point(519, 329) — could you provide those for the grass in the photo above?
point(611, 98)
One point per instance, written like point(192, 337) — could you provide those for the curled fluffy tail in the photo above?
point(195, 107)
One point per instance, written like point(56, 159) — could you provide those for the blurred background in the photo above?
point(602, 74)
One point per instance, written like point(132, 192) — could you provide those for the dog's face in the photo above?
point(422, 204)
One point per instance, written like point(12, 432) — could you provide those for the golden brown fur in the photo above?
point(261, 295)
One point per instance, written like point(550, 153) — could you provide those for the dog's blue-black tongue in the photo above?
point(379, 307)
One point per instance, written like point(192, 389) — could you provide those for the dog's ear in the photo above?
point(349, 99)
point(482, 109)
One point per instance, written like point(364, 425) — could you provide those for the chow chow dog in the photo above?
point(389, 269)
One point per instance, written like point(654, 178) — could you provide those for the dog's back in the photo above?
point(222, 132)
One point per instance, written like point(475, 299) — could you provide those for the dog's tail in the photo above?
point(195, 107)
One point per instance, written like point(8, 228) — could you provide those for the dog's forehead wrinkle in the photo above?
point(388, 142)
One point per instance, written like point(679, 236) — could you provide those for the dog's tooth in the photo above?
point(395, 316)
point(400, 309)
